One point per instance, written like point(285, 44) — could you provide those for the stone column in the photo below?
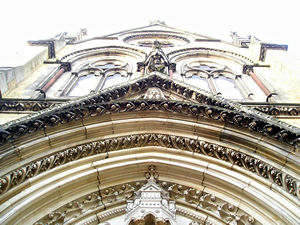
point(53, 79)
point(142, 71)
point(258, 82)
point(171, 73)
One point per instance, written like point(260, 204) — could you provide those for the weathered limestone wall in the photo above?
point(285, 72)
point(10, 77)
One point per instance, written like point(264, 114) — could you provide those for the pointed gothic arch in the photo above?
point(80, 162)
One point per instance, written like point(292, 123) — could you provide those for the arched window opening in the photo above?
point(84, 85)
point(199, 82)
point(95, 75)
point(228, 87)
point(114, 80)
point(220, 79)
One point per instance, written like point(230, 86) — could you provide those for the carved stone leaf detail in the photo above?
point(220, 208)
point(242, 160)
point(91, 201)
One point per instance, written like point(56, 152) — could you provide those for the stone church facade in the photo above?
point(152, 125)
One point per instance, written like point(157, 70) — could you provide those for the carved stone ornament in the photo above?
point(27, 105)
point(154, 93)
point(138, 194)
point(151, 203)
point(247, 162)
point(209, 107)
point(156, 61)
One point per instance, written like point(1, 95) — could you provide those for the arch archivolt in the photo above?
point(75, 159)
point(106, 50)
point(223, 144)
point(195, 182)
point(182, 54)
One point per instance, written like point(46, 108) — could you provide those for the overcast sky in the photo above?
point(271, 21)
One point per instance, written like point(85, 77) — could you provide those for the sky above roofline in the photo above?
point(270, 21)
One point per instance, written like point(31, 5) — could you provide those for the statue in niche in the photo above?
point(157, 64)
point(156, 60)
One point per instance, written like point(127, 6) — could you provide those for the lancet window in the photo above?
point(216, 79)
point(220, 80)
point(97, 75)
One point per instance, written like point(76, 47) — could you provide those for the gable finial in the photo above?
point(152, 174)
point(160, 22)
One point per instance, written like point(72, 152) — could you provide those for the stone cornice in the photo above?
point(208, 107)
point(27, 105)
point(254, 165)
point(36, 105)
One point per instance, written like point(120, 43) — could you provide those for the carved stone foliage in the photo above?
point(152, 93)
point(209, 107)
point(27, 105)
point(208, 202)
point(156, 36)
point(102, 199)
point(279, 110)
point(249, 163)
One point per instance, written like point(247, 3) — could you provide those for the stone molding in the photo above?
point(102, 48)
point(167, 36)
point(249, 163)
point(173, 54)
point(208, 107)
point(29, 105)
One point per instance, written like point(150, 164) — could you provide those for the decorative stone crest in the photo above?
point(151, 204)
